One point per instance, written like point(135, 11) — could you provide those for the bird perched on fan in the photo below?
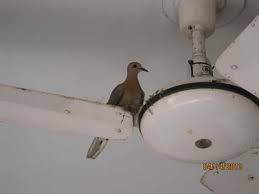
point(128, 95)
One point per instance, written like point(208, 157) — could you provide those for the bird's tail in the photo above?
point(96, 147)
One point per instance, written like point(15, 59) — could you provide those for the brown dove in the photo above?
point(128, 95)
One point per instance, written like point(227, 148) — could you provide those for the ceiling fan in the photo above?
point(205, 118)
point(200, 119)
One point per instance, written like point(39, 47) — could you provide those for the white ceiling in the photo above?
point(81, 48)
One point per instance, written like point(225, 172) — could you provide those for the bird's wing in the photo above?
point(116, 95)
point(142, 97)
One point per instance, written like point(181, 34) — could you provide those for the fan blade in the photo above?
point(34, 109)
point(240, 175)
point(240, 61)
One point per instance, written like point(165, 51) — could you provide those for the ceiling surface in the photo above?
point(81, 48)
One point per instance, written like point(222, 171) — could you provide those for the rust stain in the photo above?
point(251, 177)
point(118, 130)
point(189, 131)
point(67, 111)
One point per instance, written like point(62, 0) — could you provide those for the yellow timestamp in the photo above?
point(222, 166)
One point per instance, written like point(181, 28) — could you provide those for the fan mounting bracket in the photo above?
point(210, 13)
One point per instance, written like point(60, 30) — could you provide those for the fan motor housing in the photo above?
point(201, 120)
point(207, 13)
point(197, 12)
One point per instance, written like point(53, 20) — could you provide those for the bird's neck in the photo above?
point(132, 78)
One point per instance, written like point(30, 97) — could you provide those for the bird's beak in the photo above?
point(143, 69)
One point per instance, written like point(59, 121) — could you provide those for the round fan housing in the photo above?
point(201, 120)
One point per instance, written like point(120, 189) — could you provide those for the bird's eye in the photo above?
point(135, 66)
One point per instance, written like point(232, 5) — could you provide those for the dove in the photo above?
point(128, 95)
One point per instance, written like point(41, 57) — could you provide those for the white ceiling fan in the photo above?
point(238, 64)
point(205, 118)
point(172, 121)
